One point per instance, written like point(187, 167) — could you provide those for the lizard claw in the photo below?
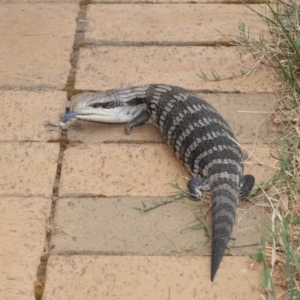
point(55, 126)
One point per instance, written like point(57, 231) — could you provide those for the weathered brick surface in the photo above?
point(120, 170)
point(111, 225)
point(103, 67)
point(169, 23)
point(156, 277)
point(23, 114)
point(22, 237)
point(96, 133)
point(247, 114)
point(174, 1)
point(259, 162)
point(27, 169)
point(39, 1)
point(36, 43)
point(137, 169)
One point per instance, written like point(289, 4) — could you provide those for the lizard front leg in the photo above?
point(141, 119)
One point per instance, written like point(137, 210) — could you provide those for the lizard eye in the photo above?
point(96, 105)
point(107, 105)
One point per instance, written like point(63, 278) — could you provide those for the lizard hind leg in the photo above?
point(196, 185)
point(246, 186)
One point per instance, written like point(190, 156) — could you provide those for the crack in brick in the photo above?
point(39, 284)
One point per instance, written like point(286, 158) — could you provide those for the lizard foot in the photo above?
point(196, 185)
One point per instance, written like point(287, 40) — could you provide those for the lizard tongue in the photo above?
point(68, 116)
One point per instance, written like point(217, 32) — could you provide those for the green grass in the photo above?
point(155, 204)
point(280, 50)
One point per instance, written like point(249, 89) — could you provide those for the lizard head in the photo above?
point(105, 107)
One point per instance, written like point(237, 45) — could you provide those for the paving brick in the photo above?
point(27, 169)
point(115, 277)
point(138, 169)
point(247, 114)
point(244, 113)
point(174, 1)
point(22, 237)
point(39, 1)
point(104, 67)
point(260, 163)
point(120, 170)
point(24, 113)
point(171, 23)
point(96, 133)
point(36, 43)
point(102, 225)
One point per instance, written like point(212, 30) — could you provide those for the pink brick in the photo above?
point(104, 67)
point(171, 23)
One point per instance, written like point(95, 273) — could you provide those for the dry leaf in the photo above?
point(275, 154)
point(284, 202)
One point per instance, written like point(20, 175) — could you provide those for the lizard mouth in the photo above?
point(119, 114)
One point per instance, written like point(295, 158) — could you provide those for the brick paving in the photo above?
point(68, 227)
